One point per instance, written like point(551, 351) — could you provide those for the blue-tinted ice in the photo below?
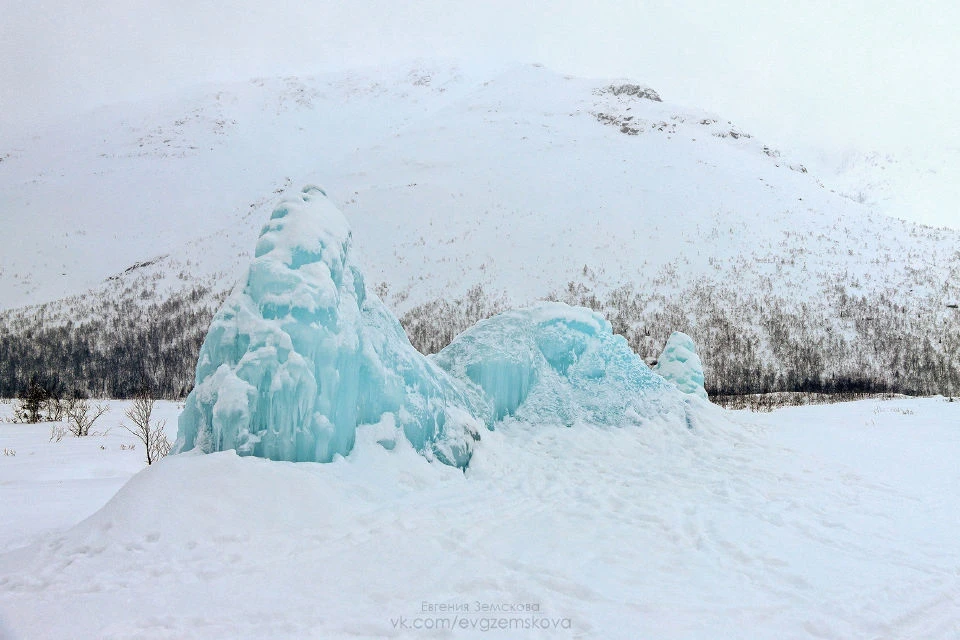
point(553, 363)
point(680, 364)
point(302, 354)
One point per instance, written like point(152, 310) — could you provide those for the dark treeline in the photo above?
point(123, 349)
point(750, 343)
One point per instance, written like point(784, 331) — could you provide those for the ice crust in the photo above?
point(302, 355)
point(680, 364)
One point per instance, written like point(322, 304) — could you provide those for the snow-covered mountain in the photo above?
point(469, 191)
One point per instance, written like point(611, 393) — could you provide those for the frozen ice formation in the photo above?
point(680, 364)
point(553, 363)
point(302, 354)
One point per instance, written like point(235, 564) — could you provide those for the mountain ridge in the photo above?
point(471, 194)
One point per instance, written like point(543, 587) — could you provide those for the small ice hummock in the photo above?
point(680, 364)
point(555, 364)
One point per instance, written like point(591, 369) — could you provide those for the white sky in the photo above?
point(878, 73)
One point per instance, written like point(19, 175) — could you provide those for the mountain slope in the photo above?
point(470, 191)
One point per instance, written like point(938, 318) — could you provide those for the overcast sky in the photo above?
point(869, 73)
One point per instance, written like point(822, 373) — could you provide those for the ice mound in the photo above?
point(302, 354)
point(680, 364)
point(553, 363)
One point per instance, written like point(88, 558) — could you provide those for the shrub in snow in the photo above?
point(81, 415)
point(58, 431)
point(55, 409)
point(680, 364)
point(29, 407)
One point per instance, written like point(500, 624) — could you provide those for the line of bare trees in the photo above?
point(750, 341)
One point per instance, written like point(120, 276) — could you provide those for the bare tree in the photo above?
point(148, 431)
point(81, 415)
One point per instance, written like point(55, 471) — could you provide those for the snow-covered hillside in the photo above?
point(470, 191)
point(836, 521)
point(922, 183)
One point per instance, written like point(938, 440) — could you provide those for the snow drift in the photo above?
point(302, 354)
point(834, 521)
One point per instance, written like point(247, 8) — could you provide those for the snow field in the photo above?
point(827, 521)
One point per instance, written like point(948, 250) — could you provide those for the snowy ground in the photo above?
point(810, 522)
point(46, 487)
